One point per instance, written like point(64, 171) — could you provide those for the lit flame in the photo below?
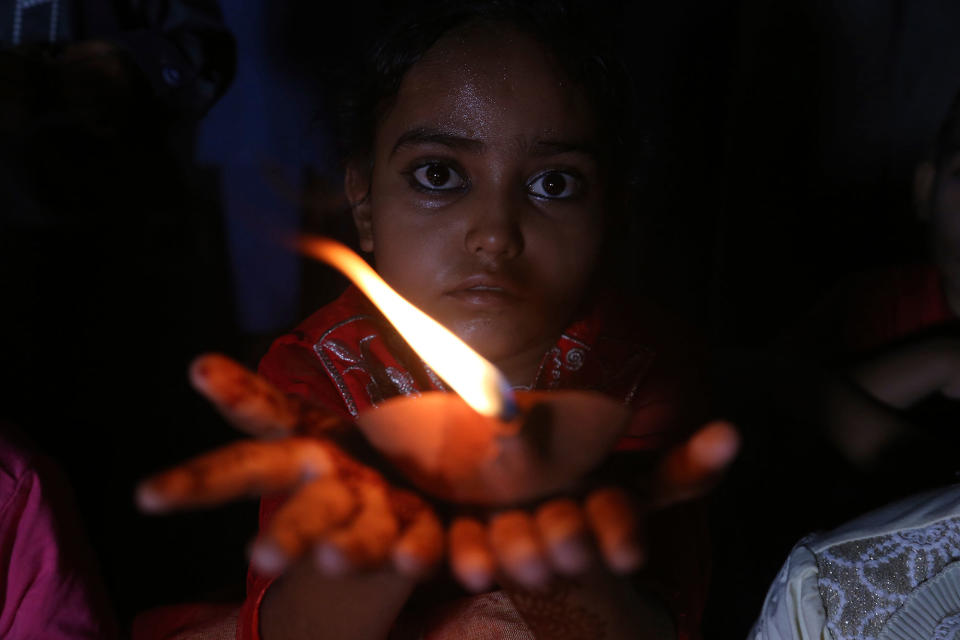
point(479, 383)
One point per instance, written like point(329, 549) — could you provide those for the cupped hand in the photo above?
point(566, 537)
point(350, 518)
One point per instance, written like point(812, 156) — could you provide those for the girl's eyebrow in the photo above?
point(454, 140)
point(425, 135)
point(557, 147)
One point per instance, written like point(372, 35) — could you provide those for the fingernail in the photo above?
point(570, 557)
point(150, 500)
point(625, 559)
point(268, 558)
point(530, 572)
point(473, 570)
point(201, 368)
point(200, 372)
point(408, 563)
point(474, 579)
point(331, 560)
point(717, 444)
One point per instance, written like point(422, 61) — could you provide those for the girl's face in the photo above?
point(485, 198)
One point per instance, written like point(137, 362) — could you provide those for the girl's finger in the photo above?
point(692, 469)
point(471, 559)
point(245, 468)
point(311, 512)
point(613, 519)
point(252, 404)
point(246, 400)
point(420, 547)
point(563, 530)
point(366, 540)
point(518, 550)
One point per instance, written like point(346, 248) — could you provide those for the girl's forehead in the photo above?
point(491, 82)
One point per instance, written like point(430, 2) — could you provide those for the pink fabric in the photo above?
point(48, 587)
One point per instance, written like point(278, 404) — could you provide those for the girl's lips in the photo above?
point(483, 296)
point(487, 281)
point(483, 291)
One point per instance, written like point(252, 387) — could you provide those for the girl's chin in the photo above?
point(518, 359)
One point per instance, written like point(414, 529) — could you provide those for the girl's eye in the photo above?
point(438, 177)
point(554, 185)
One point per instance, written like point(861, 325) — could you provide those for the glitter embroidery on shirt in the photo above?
point(341, 362)
point(864, 582)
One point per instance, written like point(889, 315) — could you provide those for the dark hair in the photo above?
point(582, 42)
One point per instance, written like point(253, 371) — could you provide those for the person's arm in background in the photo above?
point(907, 373)
point(859, 406)
point(863, 402)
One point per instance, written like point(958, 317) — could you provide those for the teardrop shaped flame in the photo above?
point(473, 377)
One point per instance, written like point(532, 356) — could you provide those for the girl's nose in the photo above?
point(495, 234)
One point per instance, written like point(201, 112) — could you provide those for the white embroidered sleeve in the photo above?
point(793, 609)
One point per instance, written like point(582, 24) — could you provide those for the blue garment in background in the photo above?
point(261, 136)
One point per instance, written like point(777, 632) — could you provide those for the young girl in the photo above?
point(487, 173)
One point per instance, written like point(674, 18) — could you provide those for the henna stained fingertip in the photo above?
point(471, 559)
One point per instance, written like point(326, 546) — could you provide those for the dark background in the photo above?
point(784, 136)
